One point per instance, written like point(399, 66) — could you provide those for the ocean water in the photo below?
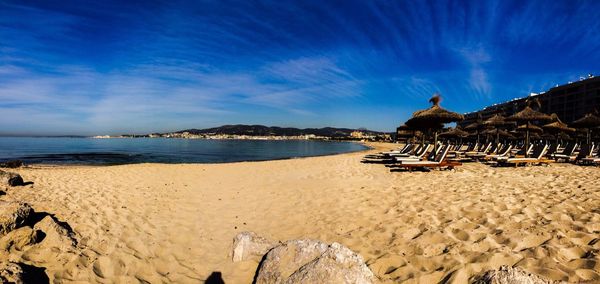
point(91, 151)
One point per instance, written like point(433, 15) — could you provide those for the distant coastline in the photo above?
point(261, 132)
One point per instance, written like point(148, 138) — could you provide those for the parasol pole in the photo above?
point(588, 136)
point(527, 142)
point(435, 133)
point(497, 136)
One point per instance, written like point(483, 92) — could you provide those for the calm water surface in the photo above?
point(161, 150)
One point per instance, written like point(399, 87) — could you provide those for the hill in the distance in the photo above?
point(261, 130)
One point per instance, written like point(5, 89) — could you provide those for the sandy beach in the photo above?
point(161, 223)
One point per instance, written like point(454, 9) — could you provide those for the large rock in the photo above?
point(11, 272)
point(20, 238)
point(509, 275)
point(248, 245)
point(13, 215)
point(57, 234)
point(10, 179)
point(312, 261)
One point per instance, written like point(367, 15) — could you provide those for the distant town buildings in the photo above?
point(355, 135)
point(570, 102)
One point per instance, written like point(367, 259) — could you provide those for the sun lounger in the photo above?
point(491, 150)
point(567, 152)
point(537, 157)
point(438, 162)
point(484, 149)
point(504, 152)
point(585, 151)
point(416, 157)
point(405, 149)
point(552, 149)
point(520, 154)
point(595, 160)
point(385, 157)
point(469, 148)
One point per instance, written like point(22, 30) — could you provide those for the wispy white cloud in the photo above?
point(141, 97)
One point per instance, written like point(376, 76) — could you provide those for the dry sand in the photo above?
point(175, 223)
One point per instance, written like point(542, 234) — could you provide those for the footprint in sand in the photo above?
point(460, 234)
point(571, 253)
point(103, 267)
point(531, 241)
point(587, 274)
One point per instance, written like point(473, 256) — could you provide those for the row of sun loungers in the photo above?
point(413, 156)
point(422, 157)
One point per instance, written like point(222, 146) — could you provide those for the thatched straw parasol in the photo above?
point(499, 132)
point(563, 136)
point(557, 126)
point(475, 126)
point(587, 122)
point(528, 115)
point(497, 121)
point(433, 117)
point(404, 131)
point(548, 136)
point(528, 127)
point(455, 132)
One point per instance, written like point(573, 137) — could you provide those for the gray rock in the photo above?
point(10, 179)
point(11, 272)
point(13, 215)
point(312, 261)
point(509, 275)
point(248, 245)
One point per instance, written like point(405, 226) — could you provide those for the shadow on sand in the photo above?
point(215, 278)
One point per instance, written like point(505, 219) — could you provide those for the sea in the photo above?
point(116, 151)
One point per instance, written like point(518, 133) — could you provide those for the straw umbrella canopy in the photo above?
point(548, 136)
point(534, 135)
point(557, 126)
point(527, 115)
point(563, 136)
point(475, 126)
point(497, 121)
point(455, 132)
point(499, 132)
point(433, 117)
point(404, 131)
point(528, 127)
point(587, 122)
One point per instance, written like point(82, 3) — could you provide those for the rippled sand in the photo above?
point(175, 223)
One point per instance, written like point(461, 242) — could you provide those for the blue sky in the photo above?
point(110, 67)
